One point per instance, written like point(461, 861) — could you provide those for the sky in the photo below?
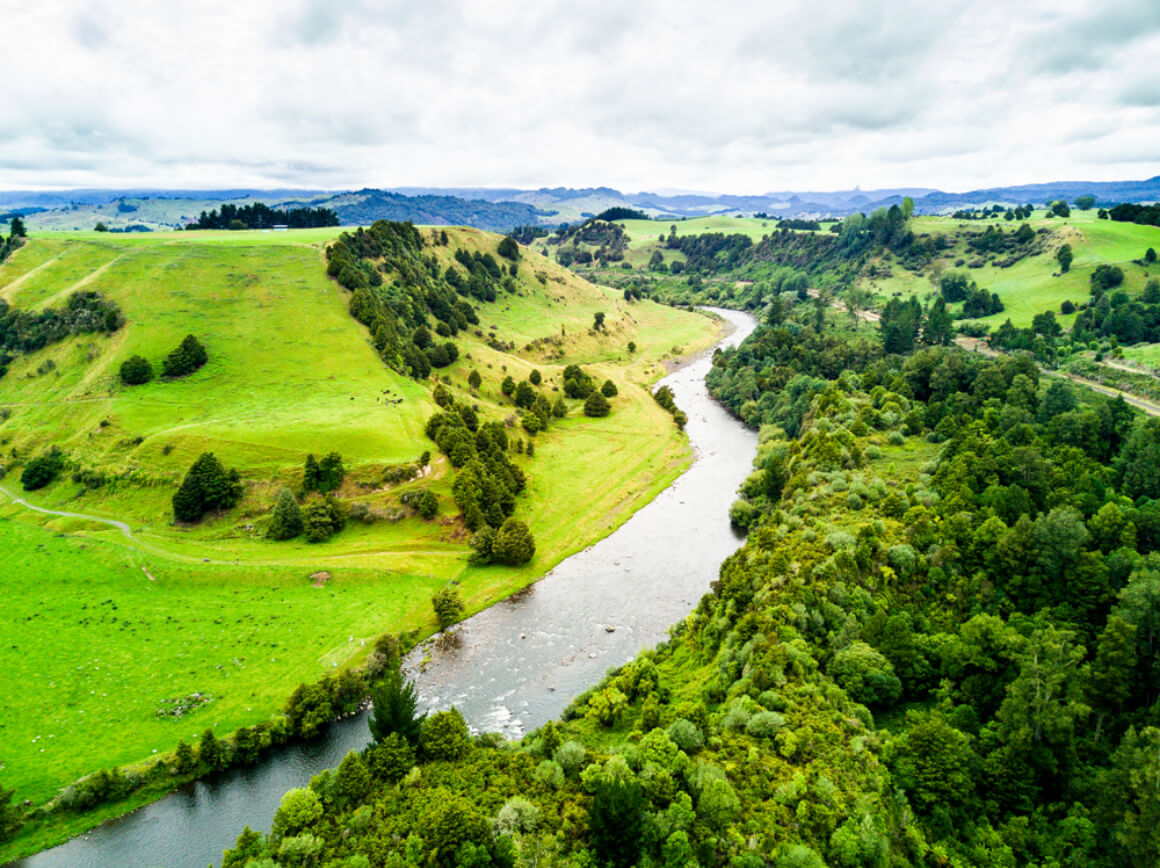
point(731, 97)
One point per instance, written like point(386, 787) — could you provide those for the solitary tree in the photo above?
point(393, 703)
point(474, 379)
point(599, 321)
point(1064, 256)
point(1150, 255)
point(448, 607)
point(286, 522)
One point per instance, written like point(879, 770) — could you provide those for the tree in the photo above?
point(444, 736)
point(939, 327)
point(10, 815)
point(609, 390)
point(617, 820)
point(598, 325)
point(1064, 256)
point(136, 370)
point(1085, 203)
point(596, 405)
point(1139, 460)
point(183, 759)
point(865, 674)
point(207, 487)
point(448, 607)
point(857, 300)
point(286, 523)
point(535, 377)
point(100, 227)
point(393, 709)
point(189, 356)
point(508, 248)
point(525, 395)
point(513, 544)
point(1060, 209)
point(323, 518)
point(42, 470)
point(1150, 255)
point(474, 380)
point(211, 752)
point(330, 472)
point(16, 228)
point(508, 386)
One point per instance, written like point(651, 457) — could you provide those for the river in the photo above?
point(517, 664)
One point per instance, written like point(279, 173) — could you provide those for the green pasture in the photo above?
point(290, 372)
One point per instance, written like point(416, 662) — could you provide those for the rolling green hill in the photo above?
point(290, 372)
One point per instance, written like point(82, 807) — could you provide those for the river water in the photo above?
point(517, 664)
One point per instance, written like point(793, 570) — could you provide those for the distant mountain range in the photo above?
point(500, 209)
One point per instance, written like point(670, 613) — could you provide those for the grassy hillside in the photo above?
point(289, 372)
point(1034, 284)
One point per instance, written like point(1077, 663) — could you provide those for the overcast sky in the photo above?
point(726, 96)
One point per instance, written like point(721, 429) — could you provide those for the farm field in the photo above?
point(107, 627)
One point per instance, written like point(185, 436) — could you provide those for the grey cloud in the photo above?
point(1092, 40)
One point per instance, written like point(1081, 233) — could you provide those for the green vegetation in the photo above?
point(935, 647)
point(192, 597)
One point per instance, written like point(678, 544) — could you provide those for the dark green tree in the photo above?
point(525, 395)
point(330, 472)
point(1064, 256)
point(286, 523)
point(508, 248)
point(42, 470)
point(311, 475)
point(208, 487)
point(598, 323)
point(474, 380)
point(448, 607)
point(513, 544)
point(596, 405)
point(616, 820)
point(444, 736)
point(11, 818)
point(535, 377)
point(136, 370)
point(393, 709)
point(187, 358)
point(939, 327)
point(608, 389)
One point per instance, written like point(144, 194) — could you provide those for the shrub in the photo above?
point(535, 377)
point(765, 724)
point(609, 390)
point(686, 735)
point(42, 470)
point(896, 438)
point(549, 774)
point(596, 405)
point(136, 370)
point(448, 607)
point(186, 359)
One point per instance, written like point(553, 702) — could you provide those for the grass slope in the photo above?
point(1034, 285)
point(290, 372)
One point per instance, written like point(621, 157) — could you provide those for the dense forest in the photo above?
point(260, 216)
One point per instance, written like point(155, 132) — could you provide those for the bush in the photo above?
point(549, 774)
point(609, 390)
point(448, 607)
point(42, 470)
point(686, 735)
point(207, 487)
point(322, 519)
point(136, 370)
point(186, 359)
point(596, 405)
point(513, 544)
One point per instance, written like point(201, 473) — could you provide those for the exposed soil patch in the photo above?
point(320, 578)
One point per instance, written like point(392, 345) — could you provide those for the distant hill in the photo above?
point(500, 209)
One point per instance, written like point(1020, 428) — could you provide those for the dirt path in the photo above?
point(112, 522)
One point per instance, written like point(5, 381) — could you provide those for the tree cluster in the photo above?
point(188, 357)
point(24, 331)
point(260, 216)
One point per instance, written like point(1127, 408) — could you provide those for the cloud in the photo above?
point(740, 96)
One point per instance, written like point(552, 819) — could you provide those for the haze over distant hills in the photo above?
point(499, 209)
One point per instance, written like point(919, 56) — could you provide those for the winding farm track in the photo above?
point(112, 522)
